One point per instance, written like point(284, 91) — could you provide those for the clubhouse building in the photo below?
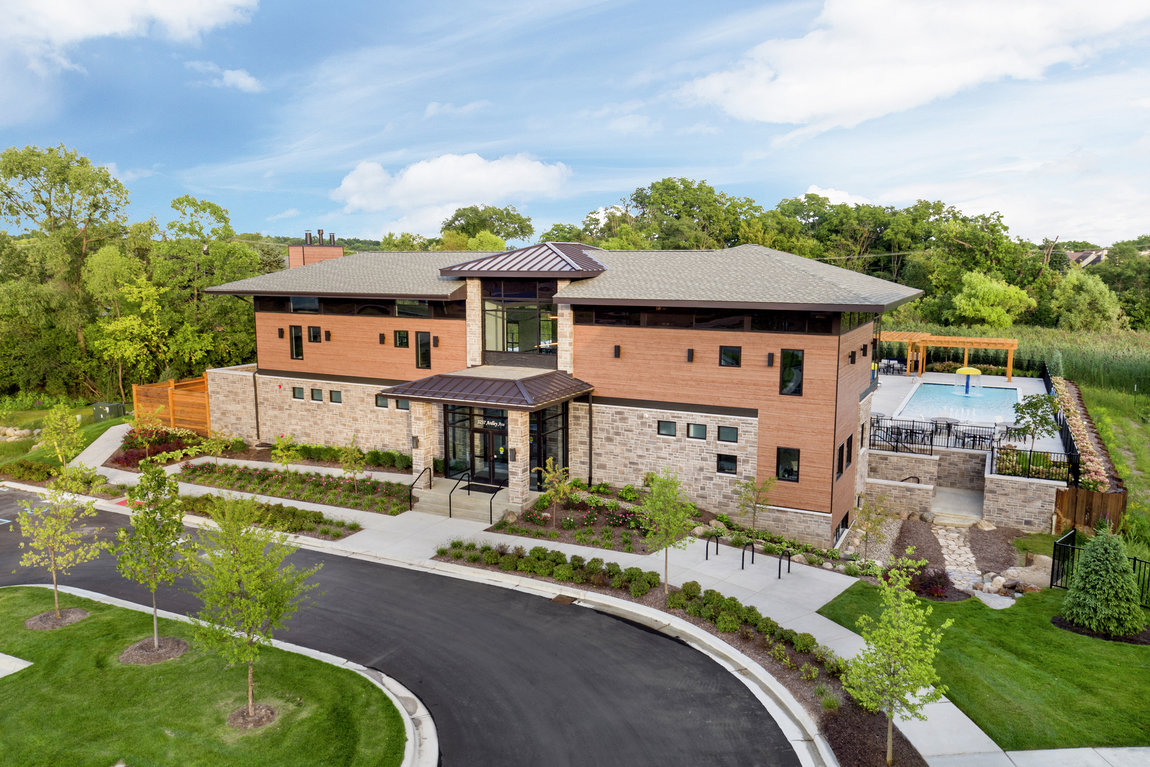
point(721, 365)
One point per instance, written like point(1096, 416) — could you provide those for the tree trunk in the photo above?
point(120, 376)
point(155, 624)
point(889, 739)
point(666, 571)
point(251, 705)
point(55, 591)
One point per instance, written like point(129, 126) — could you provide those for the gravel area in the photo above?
point(921, 537)
point(993, 550)
point(875, 550)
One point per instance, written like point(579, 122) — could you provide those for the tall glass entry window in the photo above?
point(476, 440)
point(520, 316)
point(548, 440)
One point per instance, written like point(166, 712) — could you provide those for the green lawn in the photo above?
point(14, 451)
point(1026, 683)
point(1130, 445)
point(77, 705)
point(1039, 543)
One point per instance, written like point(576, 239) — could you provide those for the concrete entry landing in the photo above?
point(956, 508)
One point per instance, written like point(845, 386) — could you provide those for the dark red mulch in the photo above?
point(48, 621)
point(993, 550)
point(918, 534)
point(239, 719)
point(143, 653)
point(1141, 638)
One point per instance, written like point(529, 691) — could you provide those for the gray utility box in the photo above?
point(103, 411)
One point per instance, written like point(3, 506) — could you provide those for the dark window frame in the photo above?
point(314, 334)
point(725, 354)
point(850, 450)
point(784, 368)
point(403, 404)
point(423, 350)
point(314, 393)
point(674, 428)
point(295, 341)
point(839, 461)
point(335, 396)
point(721, 458)
point(381, 398)
point(297, 392)
point(779, 464)
point(401, 339)
point(734, 441)
point(691, 426)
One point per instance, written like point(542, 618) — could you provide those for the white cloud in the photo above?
point(641, 124)
point(227, 78)
point(449, 180)
point(127, 176)
point(838, 197)
point(866, 59)
point(435, 108)
point(701, 128)
point(289, 213)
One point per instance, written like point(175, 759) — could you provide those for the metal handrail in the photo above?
point(787, 554)
point(743, 564)
point(491, 503)
point(467, 475)
point(917, 481)
point(707, 548)
point(410, 488)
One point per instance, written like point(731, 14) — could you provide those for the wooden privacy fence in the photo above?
point(178, 404)
point(1083, 509)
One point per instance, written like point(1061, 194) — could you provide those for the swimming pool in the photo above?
point(933, 400)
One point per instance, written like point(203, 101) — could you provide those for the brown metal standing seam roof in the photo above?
point(533, 393)
point(546, 259)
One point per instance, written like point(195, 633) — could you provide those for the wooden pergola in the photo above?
point(918, 342)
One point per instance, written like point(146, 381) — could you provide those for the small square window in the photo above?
point(401, 339)
point(297, 392)
point(380, 400)
point(696, 431)
point(728, 434)
point(317, 395)
point(313, 334)
point(335, 397)
point(787, 464)
point(403, 404)
point(666, 428)
point(731, 356)
point(850, 449)
point(727, 464)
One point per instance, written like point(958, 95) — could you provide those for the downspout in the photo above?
point(256, 397)
point(590, 439)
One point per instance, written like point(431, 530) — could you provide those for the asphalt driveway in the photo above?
point(511, 679)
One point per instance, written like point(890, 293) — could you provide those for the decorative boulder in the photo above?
point(700, 531)
point(719, 526)
point(799, 559)
point(927, 516)
point(982, 524)
point(511, 517)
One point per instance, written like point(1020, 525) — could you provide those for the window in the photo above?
point(380, 400)
point(422, 350)
point(666, 428)
point(337, 306)
point(297, 392)
point(696, 431)
point(728, 434)
point(787, 464)
point(335, 397)
point(839, 463)
point(727, 464)
point(271, 303)
point(791, 373)
point(317, 395)
point(403, 404)
point(401, 339)
point(304, 305)
point(296, 342)
point(731, 356)
point(313, 334)
point(850, 449)
point(520, 316)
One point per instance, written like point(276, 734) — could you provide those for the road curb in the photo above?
point(422, 746)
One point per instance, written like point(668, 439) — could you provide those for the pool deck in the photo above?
point(894, 391)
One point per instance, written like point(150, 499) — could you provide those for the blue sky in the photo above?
point(360, 118)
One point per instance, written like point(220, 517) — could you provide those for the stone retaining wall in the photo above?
point(894, 467)
point(1026, 504)
point(231, 401)
point(902, 498)
point(813, 527)
point(962, 469)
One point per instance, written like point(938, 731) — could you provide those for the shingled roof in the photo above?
point(543, 261)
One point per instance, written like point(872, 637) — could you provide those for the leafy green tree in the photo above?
point(247, 589)
point(403, 242)
point(1083, 302)
point(486, 241)
point(895, 672)
point(1103, 595)
point(563, 233)
point(753, 494)
point(984, 300)
point(286, 451)
point(53, 540)
point(1036, 416)
point(1126, 271)
point(505, 223)
point(555, 479)
point(352, 460)
point(61, 433)
point(666, 518)
point(682, 213)
point(154, 551)
point(137, 339)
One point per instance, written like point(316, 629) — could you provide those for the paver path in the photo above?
point(956, 553)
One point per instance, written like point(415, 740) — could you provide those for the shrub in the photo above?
point(809, 672)
point(728, 622)
point(568, 522)
point(779, 653)
point(543, 502)
point(697, 608)
point(653, 578)
point(544, 567)
point(470, 546)
point(538, 552)
point(502, 548)
point(633, 574)
point(577, 561)
point(851, 569)
point(508, 562)
point(600, 580)
point(473, 556)
point(558, 557)
point(581, 575)
point(618, 581)
point(525, 565)
point(629, 494)
point(437, 465)
point(835, 666)
point(712, 597)
point(788, 636)
point(78, 479)
point(830, 702)
point(442, 551)
point(1103, 594)
point(402, 461)
point(733, 606)
point(676, 600)
point(491, 557)
point(692, 589)
point(746, 632)
point(804, 642)
point(456, 554)
point(613, 569)
point(564, 573)
point(595, 565)
point(767, 626)
point(536, 517)
point(934, 583)
point(639, 587)
point(457, 543)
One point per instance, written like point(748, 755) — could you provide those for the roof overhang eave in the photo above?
point(458, 293)
point(875, 308)
point(533, 275)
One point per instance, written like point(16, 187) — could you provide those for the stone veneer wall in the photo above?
point(474, 322)
point(1026, 504)
point(627, 446)
point(231, 400)
point(902, 498)
point(813, 527)
point(565, 334)
point(895, 467)
point(962, 469)
point(519, 470)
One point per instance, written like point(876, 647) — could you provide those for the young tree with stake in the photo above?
point(667, 518)
point(53, 540)
point(898, 660)
point(154, 551)
point(61, 434)
point(869, 520)
point(1036, 416)
point(752, 495)
point(247, 590)
point(352, 460)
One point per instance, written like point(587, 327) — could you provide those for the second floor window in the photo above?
point(401, 339)
point(422, 349)
point(296, 342)
point(791, 375)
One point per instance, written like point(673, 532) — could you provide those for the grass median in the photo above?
point(1025, 682)
point(78, 705)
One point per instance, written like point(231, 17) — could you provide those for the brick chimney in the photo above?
point(312, 252)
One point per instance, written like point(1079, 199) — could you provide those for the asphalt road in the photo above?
point(510, 679)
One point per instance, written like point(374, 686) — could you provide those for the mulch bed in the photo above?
point(1141, 638)
point(239, 719)
point(926, 546)
point(558, 512)
point(855, 736)
point(993, 550)
point(48, 621)
point(143, 653)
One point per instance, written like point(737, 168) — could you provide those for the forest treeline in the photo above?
point(91, 302)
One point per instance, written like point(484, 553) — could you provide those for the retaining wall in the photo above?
point(902, 498)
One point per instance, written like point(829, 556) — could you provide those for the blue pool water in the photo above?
point(933, 400)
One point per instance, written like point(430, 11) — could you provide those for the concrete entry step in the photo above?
point(477, 507)
point(956, 508)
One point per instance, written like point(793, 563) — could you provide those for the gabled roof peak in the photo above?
point(542, 260)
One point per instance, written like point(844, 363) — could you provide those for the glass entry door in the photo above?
point(488, 457)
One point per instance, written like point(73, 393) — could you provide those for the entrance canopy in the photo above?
point(918, 342)
point(505, 388)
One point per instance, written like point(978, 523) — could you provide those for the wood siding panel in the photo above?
point(354, 348)
point(653, 366)
point(853, 381)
